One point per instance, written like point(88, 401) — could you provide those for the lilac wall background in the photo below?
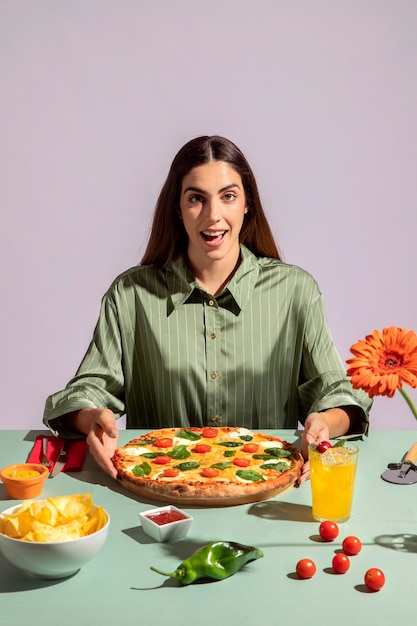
point(98, 95)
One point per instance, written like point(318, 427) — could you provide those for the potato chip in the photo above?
point(73, 506)
point(56, 519)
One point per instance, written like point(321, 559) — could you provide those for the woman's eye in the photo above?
point(195, 199)
point(229, 196)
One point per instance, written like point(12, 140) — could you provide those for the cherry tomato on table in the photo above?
point(306, 568)
point(374, 579)
point(351, 545)
point(328, 530)
point(340, 563)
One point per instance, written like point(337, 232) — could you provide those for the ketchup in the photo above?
point(166, 517)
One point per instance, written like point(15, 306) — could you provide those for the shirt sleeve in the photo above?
point(323, 380)
point(99, 381)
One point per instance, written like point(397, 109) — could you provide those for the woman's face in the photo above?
point(213, 206)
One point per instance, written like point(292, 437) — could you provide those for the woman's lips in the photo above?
point(213, 237)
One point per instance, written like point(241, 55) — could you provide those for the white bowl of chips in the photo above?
point(53, 538)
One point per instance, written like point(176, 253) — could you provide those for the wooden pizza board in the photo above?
point(213, 502)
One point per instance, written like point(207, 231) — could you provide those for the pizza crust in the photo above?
point(209, 492)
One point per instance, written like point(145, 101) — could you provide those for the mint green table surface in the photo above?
point(117, 586)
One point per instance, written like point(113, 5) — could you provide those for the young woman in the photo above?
point(212, 327)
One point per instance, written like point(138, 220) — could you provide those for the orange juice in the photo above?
point(332, 475)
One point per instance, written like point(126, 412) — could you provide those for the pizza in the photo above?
point(218, 466)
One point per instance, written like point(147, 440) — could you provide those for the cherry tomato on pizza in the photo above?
point(250, 447)
point(165, 442)
point(328, 530)
point(202, 448)
point(209, 472)
point(162, 460)
point(305, 568)
point(209, 432)
point(374, 579)
point(241, 462)
point(171, 472)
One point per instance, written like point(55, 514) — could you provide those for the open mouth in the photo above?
point(213, 237)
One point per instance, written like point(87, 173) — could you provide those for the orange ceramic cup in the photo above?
point(24, 480)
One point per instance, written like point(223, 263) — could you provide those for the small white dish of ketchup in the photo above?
point(165, 523)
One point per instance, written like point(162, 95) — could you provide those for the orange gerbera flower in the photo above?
point(383, 362)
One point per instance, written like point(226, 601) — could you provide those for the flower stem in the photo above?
point(409, 401)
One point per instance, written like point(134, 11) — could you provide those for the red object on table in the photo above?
point(76, 452)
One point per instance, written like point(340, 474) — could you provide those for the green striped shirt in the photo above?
point(167, 353)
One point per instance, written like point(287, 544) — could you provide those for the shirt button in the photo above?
point(213, 335)
point(214, 375)
point(211, 302)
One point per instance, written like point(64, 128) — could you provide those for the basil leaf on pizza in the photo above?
point(189, 434)
point(179, 452)
point(142, 470)
point(249, 475)
point(187, 465)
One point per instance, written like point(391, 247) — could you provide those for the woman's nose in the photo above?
point(213, 209)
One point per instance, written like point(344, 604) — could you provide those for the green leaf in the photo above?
point(280, 466)
point(229, 453)
point(188, 434)
point(188, 465)
point(230, 444)
point(179, 452)
point(142, 470)
point(222, 465)
point(273, 453)
point(340, 443)
point(250, 475)
point(246, 437)
point(151, 455)
point(143, 443)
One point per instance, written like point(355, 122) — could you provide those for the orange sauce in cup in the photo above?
point(22, 474)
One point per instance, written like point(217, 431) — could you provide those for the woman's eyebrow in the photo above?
point(198, 190)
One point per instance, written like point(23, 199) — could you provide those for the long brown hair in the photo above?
point(168, 238)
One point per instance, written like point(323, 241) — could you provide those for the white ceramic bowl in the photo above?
point(58, 559)
point(166, 531)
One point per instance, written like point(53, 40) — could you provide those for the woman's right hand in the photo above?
point(99, 425)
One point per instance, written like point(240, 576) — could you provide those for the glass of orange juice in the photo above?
point(332, 478)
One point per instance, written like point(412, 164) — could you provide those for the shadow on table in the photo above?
point(12, 580)
point(402, 542)
point(279, 510)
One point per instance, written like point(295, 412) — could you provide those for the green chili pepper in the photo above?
point(217, 560)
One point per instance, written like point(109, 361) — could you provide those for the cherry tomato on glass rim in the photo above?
point(340, 563)
point(328, 530)
point(306, 568)
point(374, 579)
point(323, 446)
point(351, 545)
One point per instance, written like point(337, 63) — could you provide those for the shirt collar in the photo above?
point(181, 283)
